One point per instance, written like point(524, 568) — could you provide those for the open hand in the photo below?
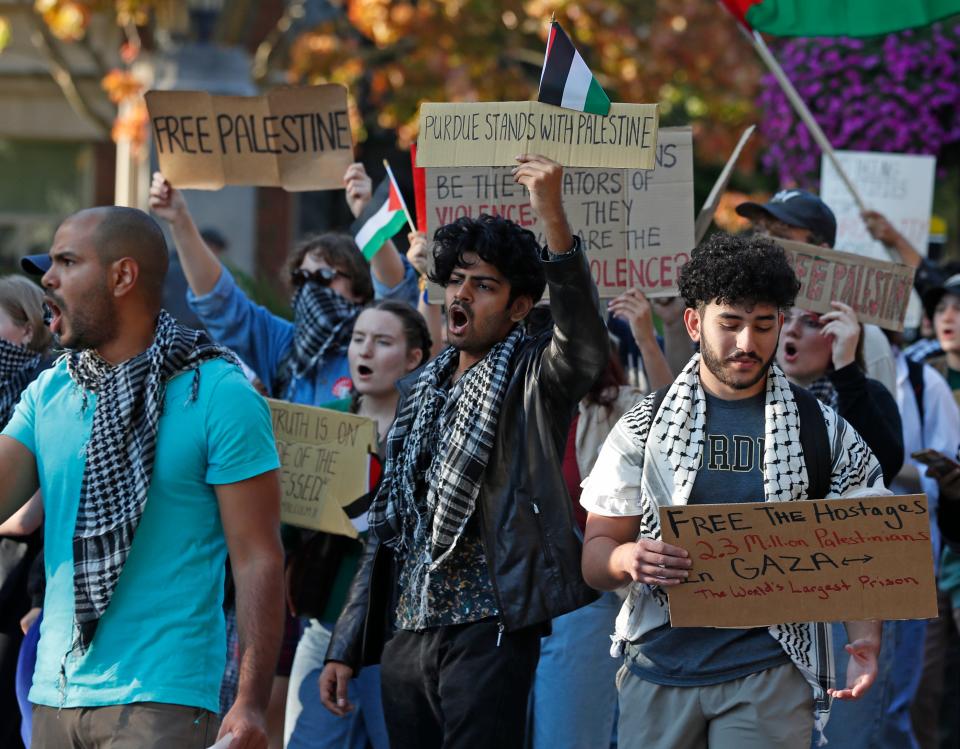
point(843, 328)
point(861, 671)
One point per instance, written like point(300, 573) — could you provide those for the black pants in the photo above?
point(455, 688)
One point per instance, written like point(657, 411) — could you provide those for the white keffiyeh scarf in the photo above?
point(652, 459)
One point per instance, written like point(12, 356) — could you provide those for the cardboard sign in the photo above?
point(878, 291)
point(296, 138)
point(635, 225)
point(900, 186)
point(824, 560)
point(324, 458)
point(495, 133)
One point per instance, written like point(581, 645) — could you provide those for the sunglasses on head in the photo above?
point(323, 276)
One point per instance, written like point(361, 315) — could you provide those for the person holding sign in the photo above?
point(473, 508)
point(727, 430)
point(389, 340)
point(155, 456)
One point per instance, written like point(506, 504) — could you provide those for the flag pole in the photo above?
point(406, 211)
point(800, 107)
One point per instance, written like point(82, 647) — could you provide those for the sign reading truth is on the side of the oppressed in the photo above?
point(635, 225)
point(324, 457)
point(877, 290)
point(495, 133)
point(297, 138)
point(762, 563)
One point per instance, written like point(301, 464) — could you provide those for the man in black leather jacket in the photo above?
point(473, 549)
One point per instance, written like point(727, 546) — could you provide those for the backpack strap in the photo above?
point(915, 373)
point(814, 441)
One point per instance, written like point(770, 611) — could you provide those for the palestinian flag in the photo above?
point(838, 17)
point(383, 217)
point(566, 81)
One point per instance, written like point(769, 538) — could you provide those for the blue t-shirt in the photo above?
point(731, 470)
point(162, 637)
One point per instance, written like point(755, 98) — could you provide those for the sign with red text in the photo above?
point(877, 290)
point(822, 560)
point(297, 138)
point(635, 225)
point(324, 465)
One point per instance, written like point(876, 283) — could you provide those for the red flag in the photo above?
point(419, 190)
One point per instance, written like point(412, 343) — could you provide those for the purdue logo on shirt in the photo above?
point(738, 453)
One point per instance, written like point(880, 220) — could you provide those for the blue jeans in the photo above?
point(25, 664)
point(574, 699)
point(308, 724)
point(881, 718)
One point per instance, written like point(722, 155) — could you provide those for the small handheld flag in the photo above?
point(383, 217)
point(566, 81)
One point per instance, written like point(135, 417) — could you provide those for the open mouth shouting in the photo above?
point(790, 353)
point(52, 315)
point(364, 372)
point(458, 319)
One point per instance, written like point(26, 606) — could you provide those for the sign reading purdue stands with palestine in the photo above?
point(297, 138)
point(495, 133)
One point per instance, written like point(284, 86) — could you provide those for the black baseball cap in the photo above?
point(932, 296)
point(36, 265)
point(797, 208)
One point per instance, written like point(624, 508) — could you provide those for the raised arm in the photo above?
point(200, 264)
point(580, 346)
point(18, 468)
point(250, 512)
point(634, 308)
point(386, 265)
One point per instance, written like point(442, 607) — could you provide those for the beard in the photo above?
point(90, 326)
point(718, 367)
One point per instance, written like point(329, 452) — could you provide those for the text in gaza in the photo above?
point(821, 591)
point(823, 513)
point(574, 128)
point(306, 132)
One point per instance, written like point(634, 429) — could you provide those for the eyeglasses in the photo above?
point(323, 276)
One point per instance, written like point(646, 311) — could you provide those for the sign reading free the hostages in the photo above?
point(762, 563)
point(636, 226)
point(297, 138)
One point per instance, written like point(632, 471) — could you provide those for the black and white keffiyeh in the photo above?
point(452, 471)
point(323, 322)
point(120, 455)
point(17, 365)
point(651, 459)
point(825, 392)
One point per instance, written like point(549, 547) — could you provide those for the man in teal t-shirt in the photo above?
point(154, 456)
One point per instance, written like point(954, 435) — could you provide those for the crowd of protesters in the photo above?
point(149, 596)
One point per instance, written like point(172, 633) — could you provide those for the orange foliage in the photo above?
point(686, 54)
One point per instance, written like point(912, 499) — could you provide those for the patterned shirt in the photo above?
point(459, 590)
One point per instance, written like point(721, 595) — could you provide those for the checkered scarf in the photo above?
point(451, 470)
point(120, 455)
point(17, 365)
point(323, 321)
point(652, 459)
point(824, 391)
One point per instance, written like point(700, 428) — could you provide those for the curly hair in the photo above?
point(510, 249)
point(341, 253)
point(738, 270)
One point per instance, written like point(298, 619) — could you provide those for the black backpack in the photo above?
point(915, 374)
point(813, 438)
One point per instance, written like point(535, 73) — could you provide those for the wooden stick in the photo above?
point(406, 212)
point(800, 107)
